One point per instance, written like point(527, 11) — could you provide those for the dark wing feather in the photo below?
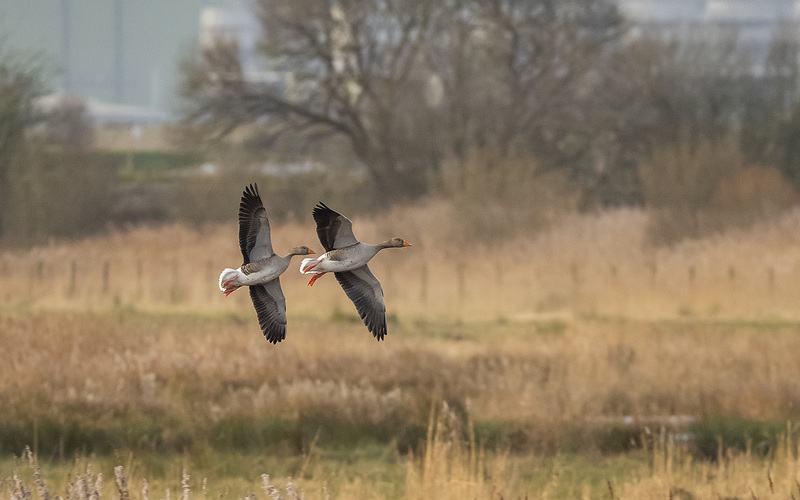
point(333, 229)
point(364, 289)
point(254, 238)
point(270, 307)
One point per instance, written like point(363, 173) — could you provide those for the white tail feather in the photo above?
point(227, 274)
point(308, 262)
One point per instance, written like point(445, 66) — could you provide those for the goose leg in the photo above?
point(315, 278)
point(312, 266)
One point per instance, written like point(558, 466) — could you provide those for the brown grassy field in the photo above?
point(597, 265)
point(122, 348)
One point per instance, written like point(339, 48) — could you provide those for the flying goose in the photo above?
point(261, 267)
point(347, 258)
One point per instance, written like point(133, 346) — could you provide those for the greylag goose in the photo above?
point(261, 267)
point(347, 258)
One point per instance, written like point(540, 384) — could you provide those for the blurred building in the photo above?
point(755, 19)
point(237, 22)
point(743, 12)
point(115, 126)
point(755, 23)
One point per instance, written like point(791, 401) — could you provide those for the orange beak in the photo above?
point(406, 244)
point(311, 251)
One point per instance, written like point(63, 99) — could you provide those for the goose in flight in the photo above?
point(261, 267)
point(347, 258)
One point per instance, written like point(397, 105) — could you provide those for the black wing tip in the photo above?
point(321, 208)
point(274, 338)
point(376, 326)
point(379, 333)
point(251, 198)
point(274, 333)
point(252, 190)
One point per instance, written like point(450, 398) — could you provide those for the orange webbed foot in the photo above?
point(315, 278)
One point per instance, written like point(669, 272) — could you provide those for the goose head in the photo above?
point(395, 243)
point(302, 250)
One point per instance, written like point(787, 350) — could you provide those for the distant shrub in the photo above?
point(495, 196)
point(692, 192)
point(731, 432)
point(56, 186)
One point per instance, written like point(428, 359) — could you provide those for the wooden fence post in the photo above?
point(106, 276)
point(423, 284)
point(139, 279)
point(173, 289)
point(574, 272)
point(460, 289)
point(500, 290)
point(71, 284)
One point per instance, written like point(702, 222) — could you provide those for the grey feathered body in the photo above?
point(347, 258)
point(264, 270)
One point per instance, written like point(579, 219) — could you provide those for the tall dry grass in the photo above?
point(213, 381)
point(582, 265)
point(545, 365)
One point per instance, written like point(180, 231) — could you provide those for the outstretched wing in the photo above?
point(364, 289)
point(333, 229)
point(254, 238)
point(270, 307)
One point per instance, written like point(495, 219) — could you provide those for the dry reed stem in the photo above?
point(122, 483)
point(185, 485)
point(44, 494)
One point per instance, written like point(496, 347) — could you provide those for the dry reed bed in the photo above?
point(599, 264)
point(201, 369)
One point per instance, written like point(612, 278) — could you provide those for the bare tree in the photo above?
point(355, 72)
point(526, 78)
point(548, 55)
point(771, 111)
point(411, 82)
point(671, 92)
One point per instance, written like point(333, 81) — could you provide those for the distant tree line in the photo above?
point(412, 84)
point(514, 106)
point(51, 185)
